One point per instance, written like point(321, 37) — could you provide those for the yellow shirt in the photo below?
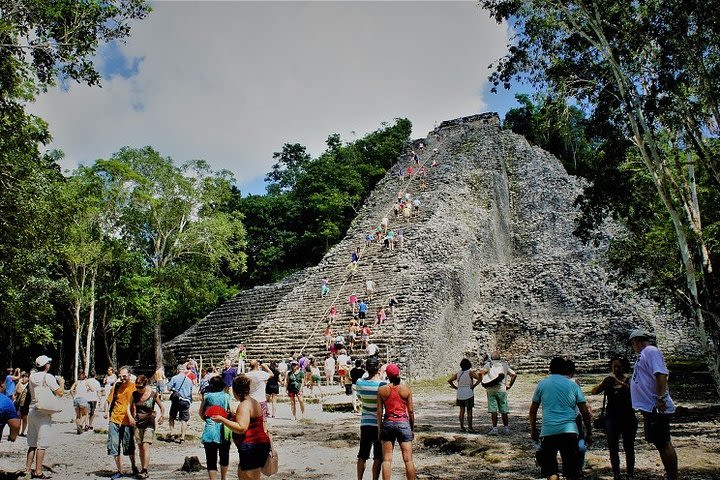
point(122, 400)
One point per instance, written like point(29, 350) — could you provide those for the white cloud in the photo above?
point(231, 82)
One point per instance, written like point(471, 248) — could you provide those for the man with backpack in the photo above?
point(495, 374)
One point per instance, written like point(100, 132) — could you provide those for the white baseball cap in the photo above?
point(42, 360)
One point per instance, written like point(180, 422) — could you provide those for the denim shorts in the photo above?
point(120, 435)
point(400, 431)
point(253, 455)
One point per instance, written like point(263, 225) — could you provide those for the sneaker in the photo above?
point(493, 431)
point(144, 473)
point(506, 429)
point(135, 471)
point(117, 475)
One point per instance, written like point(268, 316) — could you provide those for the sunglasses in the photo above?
point(140, 386)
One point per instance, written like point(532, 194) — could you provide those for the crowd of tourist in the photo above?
point(133, 406)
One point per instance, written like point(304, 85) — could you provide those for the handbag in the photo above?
point(600, 423)
point(271, 463)
point(47, 402)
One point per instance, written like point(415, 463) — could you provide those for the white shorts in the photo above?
point(38, 430)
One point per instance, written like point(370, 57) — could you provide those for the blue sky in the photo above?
point(231, 82)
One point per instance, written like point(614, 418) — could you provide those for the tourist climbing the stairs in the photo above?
point(324, 286)
point(370, 289)
point(328, 334)
point(362, 309)
point(392, 304)
point(332, 314)
point(380, 317)
point(365, 333)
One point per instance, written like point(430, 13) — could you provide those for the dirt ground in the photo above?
point(324, 444)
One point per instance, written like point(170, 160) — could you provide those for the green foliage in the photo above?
point(649, 72)
point(310, 202)
point(557, 127)
point(40, 40)
point(172, 217)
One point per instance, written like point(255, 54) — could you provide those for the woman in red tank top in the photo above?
point(396, 421)
point(249, 430)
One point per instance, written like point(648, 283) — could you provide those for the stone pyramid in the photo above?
point(490, 263)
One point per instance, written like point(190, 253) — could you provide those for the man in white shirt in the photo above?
point(495, 375)
point(329, 369)
point(39, 437)
point(650, 394)
point(259, 375)
point(96, 389)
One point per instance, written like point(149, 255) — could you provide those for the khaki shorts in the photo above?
point(144, 435)
point(38, 430)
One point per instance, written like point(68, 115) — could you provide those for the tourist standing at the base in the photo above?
point(558, 396)
point(39, 422)
point(650, 394)
point(367, 393)
point(180, 387)
point(121, 434)
point(466, 380)
point(495, 375)
point(141, 412)
point(396, 422)
point(8, 413)
point(620, 417)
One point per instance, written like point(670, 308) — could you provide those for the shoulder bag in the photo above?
point(47, 402)
point(271, 464)
point(175, 395)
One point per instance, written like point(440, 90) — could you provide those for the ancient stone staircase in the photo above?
point(490, 263)
point(275, 320)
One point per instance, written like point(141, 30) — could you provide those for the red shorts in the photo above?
point(294, 394)
point(342, 373)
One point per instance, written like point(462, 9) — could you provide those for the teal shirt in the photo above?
point(213, 431)
point(558, 396)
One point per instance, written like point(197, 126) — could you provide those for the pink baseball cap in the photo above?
point(392, 370)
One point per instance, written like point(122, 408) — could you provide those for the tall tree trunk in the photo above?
point(91, 325)
point(159, 360)
point(78, 334)
point(113, 356)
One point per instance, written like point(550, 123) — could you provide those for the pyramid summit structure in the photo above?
point(490, 263)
